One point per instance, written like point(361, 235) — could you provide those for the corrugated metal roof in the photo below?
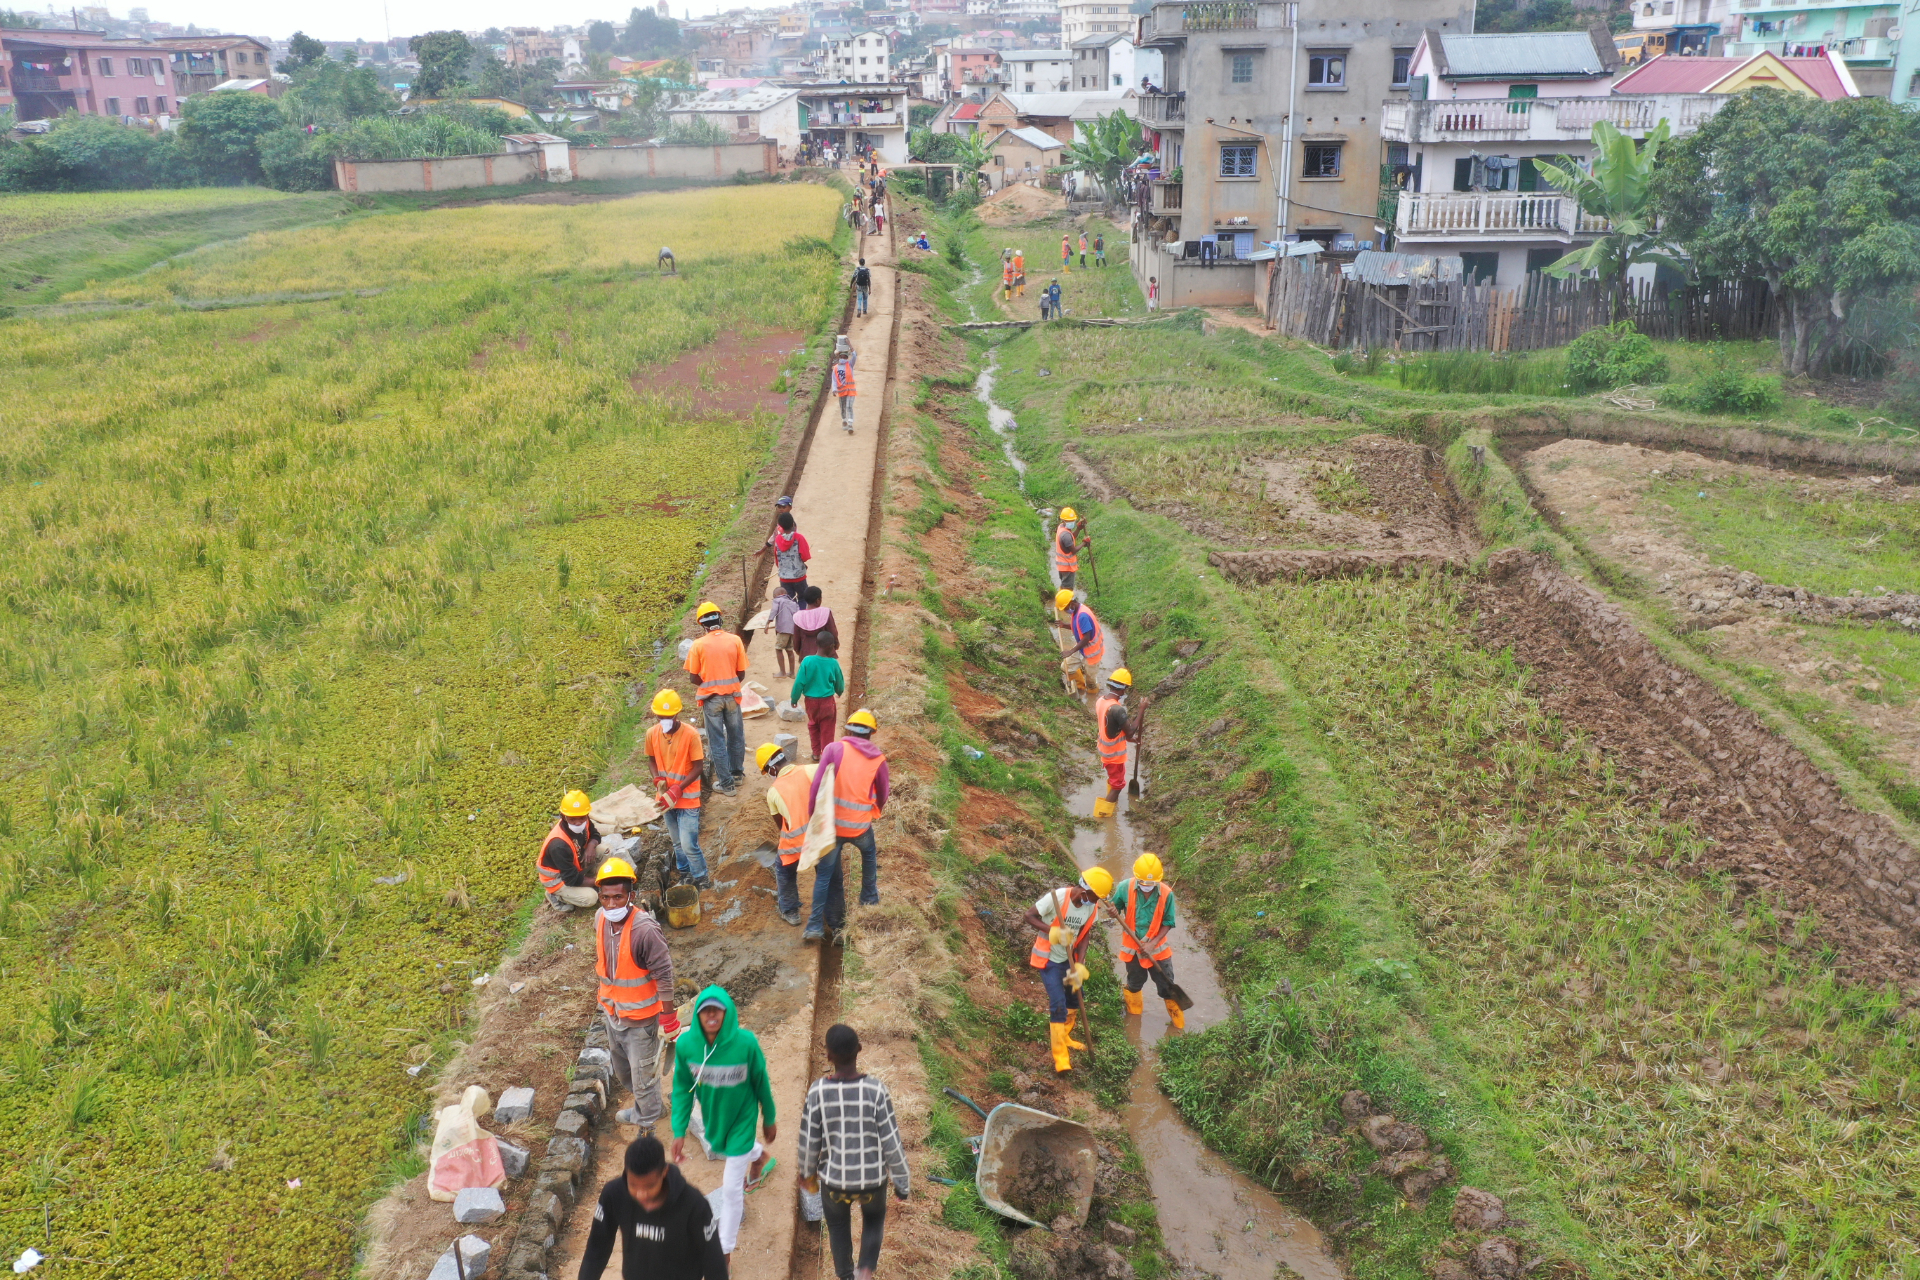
point(1374, 266)
point(1522, 55)
point(1035, 138)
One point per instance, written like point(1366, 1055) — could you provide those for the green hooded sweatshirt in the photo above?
point(729, 1077)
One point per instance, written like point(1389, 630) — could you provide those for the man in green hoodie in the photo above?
point(718, 1063)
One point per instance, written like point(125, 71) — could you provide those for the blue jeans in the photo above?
point(683, 827)
point(860, 302)
point(830, 886)
point(725, 731)
point(1059, 999)
point(786, 879)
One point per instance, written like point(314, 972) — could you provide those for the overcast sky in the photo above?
point(369, 20)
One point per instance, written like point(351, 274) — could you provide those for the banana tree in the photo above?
point(1106, 146)
point(1618, 186)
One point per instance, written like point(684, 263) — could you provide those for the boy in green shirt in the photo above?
point(818, 680)
point(719, 1063)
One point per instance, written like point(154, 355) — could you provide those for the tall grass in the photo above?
point(1483, 373)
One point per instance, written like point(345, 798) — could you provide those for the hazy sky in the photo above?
point(369, 20)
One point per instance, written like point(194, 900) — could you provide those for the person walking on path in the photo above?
point(1053, 299)
point(787, 801)
point(676, 754)
point(719, 1064)
point(812, 622)
point(1066, 254)
point(819, 682)
point(790, 554)
point(1068, 538)
point(780, 622)
point(570, 848)
point(1089, 640)
point(1145, 904)
point(843, 385)
point(1112, 732)
point(862, 286)
point(1063, 920)
point(630, 955)
point(1006, 280)
point(1153, 293)
point(850, 1149)
point(860, 790)
point(1019, 273)
point(879, 215)
point(664, 1223)
point(718, 663)
point(1083, 251)
point(1099, 249)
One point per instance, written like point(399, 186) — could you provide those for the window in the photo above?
point(742, 124)
point(106, 69)
point(160, 105)
point(113, 106)
point(1237, 160)
point(136, 67)
point(1327, 70)
point(1322, 160)
point(1242, 68)
point(140, 106)
point(260, 60)
point(1480, 268)
point(1402, 67)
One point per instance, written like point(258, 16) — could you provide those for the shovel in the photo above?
point(1180, 996)
point(1135, 786)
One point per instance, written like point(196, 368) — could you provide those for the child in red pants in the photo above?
point(818, 681)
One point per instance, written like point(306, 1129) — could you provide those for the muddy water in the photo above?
point(1213, 1218)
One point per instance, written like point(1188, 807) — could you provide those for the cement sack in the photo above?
point(464, 1154)
point(752, 704)
point(626, 808)
point(820, 838)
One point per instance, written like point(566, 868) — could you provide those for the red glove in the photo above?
point(669, 1021)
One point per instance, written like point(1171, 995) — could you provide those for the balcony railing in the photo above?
point(1457, 215)
point(1213, 15)
point(1543, 119)
point(1163, 108)
point(1166, 198)
point(36, 82)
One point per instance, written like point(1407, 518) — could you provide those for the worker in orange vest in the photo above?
point(860, 789)
point(1089, 641)
point(636, 990)
point(718, 664)
point(1112, 732)
point(1063, 920)
point(569, 849)
point(790, 801)
point(1019, 273)
point(1006, 280)
point(1068, 538)
point(676, 753)
point(843, 385)
point(1145, 904)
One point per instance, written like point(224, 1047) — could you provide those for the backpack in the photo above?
point(863, 278)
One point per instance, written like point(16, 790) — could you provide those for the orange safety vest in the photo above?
point(627, 990)
point(1113, 748)
point(1042, 954)
point(1153, 926)
point(717, 660)
point(853, 804)
point(674, 760)
point(1097, 647)
point(551, 880)
point(1065, 558)
point(794, 785)
point(842, 378)
point(1006, 273)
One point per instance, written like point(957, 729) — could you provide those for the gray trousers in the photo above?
point(636, 1064)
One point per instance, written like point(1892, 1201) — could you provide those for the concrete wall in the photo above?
point(509, 168)
point(442, 174)
point(675, 162)
point(1185, 283)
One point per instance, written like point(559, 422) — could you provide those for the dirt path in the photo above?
point(833, 506)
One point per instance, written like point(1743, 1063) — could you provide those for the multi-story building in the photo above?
point(1866, 36)
point(764, 111)
point(45, 74)
point(859, 59)
point(850, 115)
point(964, 71)
point(1038, 70)
point(201, 62)
point(1111, 62)
point(1028, 10)
point(1082, 18)
point(1266, 124)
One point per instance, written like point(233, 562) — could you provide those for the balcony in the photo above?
point(1493, 215)
point(879, 119)
point(1166, 199)
point(1543, 119)
point(1158, 110)
point(1167, 23)
point(35, 82)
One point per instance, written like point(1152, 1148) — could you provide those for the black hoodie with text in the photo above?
point(678, 1241)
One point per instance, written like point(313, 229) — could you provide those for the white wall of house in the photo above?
point(863, 58)
point(1038, 70)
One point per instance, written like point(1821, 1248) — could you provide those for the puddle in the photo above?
point(732, 375)
point(1213, 1218)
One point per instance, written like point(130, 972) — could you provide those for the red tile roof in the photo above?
point(966, 111)
point(1671, 73)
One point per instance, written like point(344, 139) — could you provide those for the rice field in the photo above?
point(23, 215)
point(299, 597)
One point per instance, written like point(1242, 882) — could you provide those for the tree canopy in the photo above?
point(303, 50)
point(648, 35)
point(446, 59)
point(1617, 186)
point(332, 95)
point(1820, 199)
point(600, 36)
point(220, 133)
point(1105, 147)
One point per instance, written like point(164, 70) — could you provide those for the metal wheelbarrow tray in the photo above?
point(1011, 1132)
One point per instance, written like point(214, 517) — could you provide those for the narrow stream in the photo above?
point(1213, 1217)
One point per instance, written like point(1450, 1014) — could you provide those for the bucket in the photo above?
point(683, 906)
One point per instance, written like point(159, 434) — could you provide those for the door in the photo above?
point(1520, 98)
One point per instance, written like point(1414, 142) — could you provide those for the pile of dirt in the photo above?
point(1043, 1188)
point(1019, 202)
point(1407, 1158)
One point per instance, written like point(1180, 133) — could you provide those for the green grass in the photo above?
point(1084, 292)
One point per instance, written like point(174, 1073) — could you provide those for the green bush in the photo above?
point(1613, 356)
point(290, 162)
point(1726, 390)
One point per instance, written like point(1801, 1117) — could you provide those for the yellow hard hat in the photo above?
point(615, 869)
point(1147, 867)
point(1098, 880)
point(707, 609)
point(763, 753)
point(1068, 513)
point(1062, 598)
point(666, 703)
point(862, 719)
point(575, 804)
point(1122, 677)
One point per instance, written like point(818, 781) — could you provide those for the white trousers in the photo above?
point(732, 1195)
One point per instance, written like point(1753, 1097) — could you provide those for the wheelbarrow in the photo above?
point(1012, 1131)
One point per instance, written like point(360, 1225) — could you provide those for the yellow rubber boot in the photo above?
point(1135, 1004)
point(1072, 1016)
point(1103, 808)
point(1057, 1035)
point(1176, 1017)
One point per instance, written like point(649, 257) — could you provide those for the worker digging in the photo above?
point(1063, 919)
point(1145, 905)
point(1113, 730)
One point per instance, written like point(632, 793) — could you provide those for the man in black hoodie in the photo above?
point(666, 1225)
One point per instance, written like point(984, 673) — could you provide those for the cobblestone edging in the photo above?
point(568, 1161)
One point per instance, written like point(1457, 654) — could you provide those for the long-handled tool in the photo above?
point(1086, 1010)
point(1135, 787)
point(1180, 996)
point(1093, 564)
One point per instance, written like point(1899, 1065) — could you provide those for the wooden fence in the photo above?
point(1319, 304)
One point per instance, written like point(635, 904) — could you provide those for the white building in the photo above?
point(1015, 11)
point(766, 111)
point(1111, 62)
point(846, 116)
point(1038, 70)
point(1082, 18)
point(859, 59)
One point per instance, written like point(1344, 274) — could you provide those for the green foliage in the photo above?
point(399, 138)
point(91, 153)
point(445, 61)
point(15, 20)
point(1483, 373)
point(1105, 147)
point(302, 51)
point(289, 161)
point(220, 134)
point(1618, 186)
point(333, 94)
point(1727, 391)
point(601, 36)
point(648, 35)
point(698, 132)
point(1615, 355)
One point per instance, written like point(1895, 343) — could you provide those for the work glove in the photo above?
point(669, 1021)
point(1077, 976)
point(1056, 935)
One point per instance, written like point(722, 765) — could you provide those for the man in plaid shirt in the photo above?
point(850, 1148)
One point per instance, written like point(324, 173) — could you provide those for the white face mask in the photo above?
point(668, 724)
point(617, 914)
point(576, 827)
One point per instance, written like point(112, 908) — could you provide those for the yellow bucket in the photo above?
point(683, 906)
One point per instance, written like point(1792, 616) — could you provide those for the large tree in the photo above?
point(302, 51)
point(600, 37)
point(1105, 147)
point(220, 133)
point(332, 94)
point(1617, 186)
point(1820, 199)
point(446, 58)
point(648, 35)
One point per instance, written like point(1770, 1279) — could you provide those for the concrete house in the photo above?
point(1038, 70)
point(1022, 155)
point(47, 73)
point(765, 111)
point(862, 58)
point(1111, 61)
point(1266, 125)
point(844, 115)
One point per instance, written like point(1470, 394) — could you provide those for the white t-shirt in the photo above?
point(1048, 909)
